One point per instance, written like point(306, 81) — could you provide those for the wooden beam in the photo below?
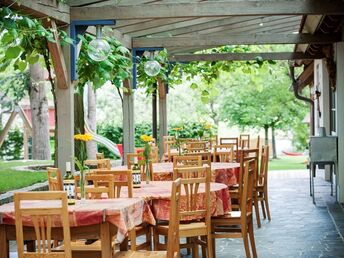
point(209, 9)
point(7, 127)
point(41, 9)
point(57, 57)
point(242, 56)
point(253, 39)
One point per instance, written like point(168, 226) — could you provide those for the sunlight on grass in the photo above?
point(288, 163)
point(13, 179)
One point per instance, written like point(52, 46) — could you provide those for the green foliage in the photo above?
point(115, 133)
point(23, 39)
point(14, 86)
point(12, 148)
point(115, 68)
point(261, 98)
point(301, 136)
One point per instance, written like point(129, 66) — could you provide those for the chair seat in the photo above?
point(80, 245)
point(141, 254)
point(185, 230)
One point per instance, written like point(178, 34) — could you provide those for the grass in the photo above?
point(11, 179)
point(288, 163)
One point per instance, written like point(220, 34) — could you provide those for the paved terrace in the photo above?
point(298, 228)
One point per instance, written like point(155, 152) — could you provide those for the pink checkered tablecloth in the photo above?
point(158, 194)
point(124, 213)
point(222, 172)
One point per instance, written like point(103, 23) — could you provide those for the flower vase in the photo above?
point(148, 174)
point(82, 185)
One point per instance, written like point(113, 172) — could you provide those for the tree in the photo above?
point(260, 98)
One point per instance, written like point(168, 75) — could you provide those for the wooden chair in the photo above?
point(54, 179)
point(258, 142)
point(224, 153)
point(191, 180)
point(101, 184)
point(98, 163)
point(236, 193)
point(187, 161)
point(133, 158)
point(262, 187)
point(100, 155)
point(172, 235)
point(232, 141)
point(168, 142)
point(244, 141)
point(121, 178)
point(42, 221)
point(196, 146)
point(206, 157)
point(239, 224)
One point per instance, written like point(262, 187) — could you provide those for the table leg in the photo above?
point(106, 240)
point(4, 243)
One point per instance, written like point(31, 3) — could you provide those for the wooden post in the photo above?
point(7, 127)
point(65, 118)
point(154, 114)
point(128, 120)
point(162, 116)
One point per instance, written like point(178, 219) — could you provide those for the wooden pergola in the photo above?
point(184, 27)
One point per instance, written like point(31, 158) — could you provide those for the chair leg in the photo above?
point(194, 249)
point(210, 247)
point(246, 245)
point(256, 208)
point(267, 204)
point(204, 252)
point(156, 240)
point(263, 208)
point(188, 250)
point(149, 239)
point(251, 235)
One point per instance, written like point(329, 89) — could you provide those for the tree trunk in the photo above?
point(213, 114)
point(92, 120)
point(39, 113)
point(274, 153)
point(266, 130)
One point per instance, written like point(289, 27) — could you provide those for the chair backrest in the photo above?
point(229, 140)
point(98, 163)
point(42, 219)
point(196, 146)
point(97, 186)
point(100, 155)
point(246, 155)
point(187, 161)
point(167, 142)
point(224, 153)
point(264, 163)
point(138, 158)
point(54, 179)
point(192, 187)
point(189, 172)
point(244, 140)
point(173, 225)
point(258, 142)
point(121, 178)
point(206, 157)
point(247, 189)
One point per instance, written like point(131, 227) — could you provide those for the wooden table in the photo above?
point(222, 172)
point(158, 194)
point(90, 219)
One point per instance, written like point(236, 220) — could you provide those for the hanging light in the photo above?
point(98, 49)
point(152, 67)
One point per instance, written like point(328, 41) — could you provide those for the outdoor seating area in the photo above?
point(171, 128)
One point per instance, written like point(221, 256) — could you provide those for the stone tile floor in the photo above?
point(298, 228)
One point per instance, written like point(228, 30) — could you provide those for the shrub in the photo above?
point(12, 148)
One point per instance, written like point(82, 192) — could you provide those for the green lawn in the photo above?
point(288, 163)
point(12, 179)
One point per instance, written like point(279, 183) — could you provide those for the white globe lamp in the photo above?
point(98, 49)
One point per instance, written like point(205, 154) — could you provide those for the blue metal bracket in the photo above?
point(79, 28)
point(135, 52)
